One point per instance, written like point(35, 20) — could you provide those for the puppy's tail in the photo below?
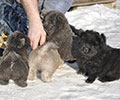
point(47, 47)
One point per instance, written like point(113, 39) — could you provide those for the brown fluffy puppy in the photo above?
point(13, 64)
point(46, 60)
point(59, 32)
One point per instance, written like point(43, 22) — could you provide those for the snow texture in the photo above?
point(66, 84)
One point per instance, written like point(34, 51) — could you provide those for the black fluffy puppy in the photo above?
point(13, 64)
point(96, 59)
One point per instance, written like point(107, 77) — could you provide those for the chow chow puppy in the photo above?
point(45, 59)
point(96, 59)
point(59, 32)
point(13, 63)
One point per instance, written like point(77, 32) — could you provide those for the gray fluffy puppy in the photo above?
point(59, 32)
point(46, 60)
point(13, 64)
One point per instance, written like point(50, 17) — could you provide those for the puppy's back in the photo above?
point(10, 65)
point(42, 50)
point(45, 56)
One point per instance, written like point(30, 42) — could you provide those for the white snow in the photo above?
point(66, 84)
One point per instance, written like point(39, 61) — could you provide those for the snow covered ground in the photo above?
point(66, 84)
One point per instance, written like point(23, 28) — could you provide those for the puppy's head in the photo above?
point(18, 40)
point(91, 44)
point(54, 21)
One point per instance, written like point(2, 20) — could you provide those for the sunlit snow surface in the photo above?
point(66, 84)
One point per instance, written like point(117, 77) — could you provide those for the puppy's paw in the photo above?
point(90, 80)
point(60, 66)
point(4, 82)
point(30, 77)
point(21, 83)
point(45, 77)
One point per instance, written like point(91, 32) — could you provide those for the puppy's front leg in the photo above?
point(91, 78)
point(92, 72)
point(81, 71)
point(32, 73)
point(81, 67)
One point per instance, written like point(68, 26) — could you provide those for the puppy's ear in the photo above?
point(60, 20)
point(22, 43)
point(103, 38)
point(22, 40)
